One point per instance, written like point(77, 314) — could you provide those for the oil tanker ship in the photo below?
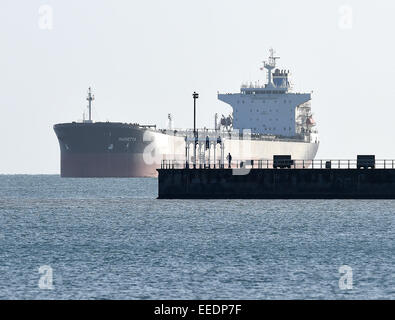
point(266, 120)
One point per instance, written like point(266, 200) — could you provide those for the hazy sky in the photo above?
point(145, 58)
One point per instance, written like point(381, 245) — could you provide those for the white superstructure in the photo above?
point(272, 109)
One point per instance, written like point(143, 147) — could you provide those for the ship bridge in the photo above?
point(270, 108)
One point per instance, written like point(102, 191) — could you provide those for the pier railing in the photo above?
point(281, 164)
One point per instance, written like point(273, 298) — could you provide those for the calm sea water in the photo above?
point(112, 239)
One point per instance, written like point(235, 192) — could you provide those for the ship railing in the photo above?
point(212, 133)
point(280, 164)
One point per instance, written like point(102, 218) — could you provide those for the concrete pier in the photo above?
point(294, 183)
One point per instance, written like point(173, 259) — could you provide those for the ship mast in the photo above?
point(270, 65)
point(90, 98)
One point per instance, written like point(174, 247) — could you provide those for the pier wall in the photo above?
point(276, 184)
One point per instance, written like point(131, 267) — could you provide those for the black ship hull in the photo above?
point(103, 149)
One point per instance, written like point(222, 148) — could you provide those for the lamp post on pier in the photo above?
point(195, 96)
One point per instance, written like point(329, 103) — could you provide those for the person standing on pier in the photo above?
point(229, 158)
